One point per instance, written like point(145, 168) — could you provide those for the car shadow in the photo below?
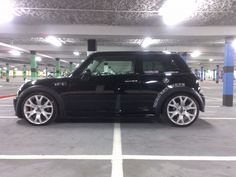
point(140, 122)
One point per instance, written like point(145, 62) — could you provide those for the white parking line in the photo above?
point(122, 157)
point(117, 161)
point(6, 105)
point(218, 118)
point(180, 158)
point(9, 98)
point(8, 117)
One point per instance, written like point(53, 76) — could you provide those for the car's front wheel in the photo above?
point(39, 109)
point(181, 110)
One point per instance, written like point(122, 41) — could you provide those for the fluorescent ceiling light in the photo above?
point(6, 11)
point(166, 52)
point(76, 53)
point(15, 52)
point(174, 11)
point(38, 58)
point(64, 61)
point(211, 60)
point(54, 41)
point(82, 61)
point(148, 41)
point(195, 54)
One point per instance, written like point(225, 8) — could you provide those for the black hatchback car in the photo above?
point(116, 83)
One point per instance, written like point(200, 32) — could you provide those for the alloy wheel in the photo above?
point(38, 109)
point(182, 110)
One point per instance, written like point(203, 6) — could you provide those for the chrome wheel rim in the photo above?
point(38, 109)
point(182, 110)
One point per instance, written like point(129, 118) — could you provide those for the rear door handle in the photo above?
point(131, 81)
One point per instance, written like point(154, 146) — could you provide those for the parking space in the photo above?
point(126, 147)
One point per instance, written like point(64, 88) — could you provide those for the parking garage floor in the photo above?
point(128, 147)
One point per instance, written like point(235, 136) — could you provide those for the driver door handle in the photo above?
point(131, 81)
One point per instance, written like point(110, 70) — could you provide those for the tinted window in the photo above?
point(154, 64)
point(112, 65)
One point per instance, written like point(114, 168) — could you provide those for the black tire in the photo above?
point(54, 108)
point(166, 117)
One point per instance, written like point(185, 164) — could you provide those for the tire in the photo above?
point(39, 109)
point(181, 110)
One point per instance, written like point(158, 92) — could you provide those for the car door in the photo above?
point(94, 95)
point(141, 90)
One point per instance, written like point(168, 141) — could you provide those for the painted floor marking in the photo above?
point(117, 161)
point(8, 117)
point(122, 157)
point(218, 118)
point(6, 105)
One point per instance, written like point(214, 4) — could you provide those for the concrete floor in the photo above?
point(130, 148)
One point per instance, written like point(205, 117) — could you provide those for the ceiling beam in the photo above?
point(105, 30)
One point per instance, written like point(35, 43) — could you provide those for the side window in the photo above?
point(111, 65)
point(155, 64)
point(152, 66)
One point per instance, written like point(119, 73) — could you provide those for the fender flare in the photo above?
point(36, 88)
point(169, 91)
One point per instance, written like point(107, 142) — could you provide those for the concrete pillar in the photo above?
point(33, 68)
point(202, 73)
point(71, 67)
point(217, 73)
point(184, 56)
point(1, 72)
point(196, 72)
point(24, 72)
point(46, 72)
point(7, 72)
point(214, 74)
point(58, 68)
point(92, 46)
point(14, 73)
point(228, 85)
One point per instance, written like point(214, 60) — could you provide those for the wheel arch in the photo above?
point(33, 89)
point(169, 92)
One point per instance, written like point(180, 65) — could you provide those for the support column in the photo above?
point(204, 74)
point(185, 56)
point(58, 67)
point(14, 72)
point(92, 46)
point(33, 69)
point(1, 72)
point(201, 73)
point(24, 72)
point(7, 72)
point(217, 73)
point(46, 72)
point(214, 74)
point(71, 67)
point(228, 85)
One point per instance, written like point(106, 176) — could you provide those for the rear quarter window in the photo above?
point(155, 64)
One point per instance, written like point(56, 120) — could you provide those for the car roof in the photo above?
point(131, 52)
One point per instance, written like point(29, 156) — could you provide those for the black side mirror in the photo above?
point(86, 75)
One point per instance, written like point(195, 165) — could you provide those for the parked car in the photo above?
point(116, 83)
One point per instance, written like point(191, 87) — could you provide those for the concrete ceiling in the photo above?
point(118, 12)
point(117, 25)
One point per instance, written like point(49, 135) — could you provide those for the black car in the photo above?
point(116, 83)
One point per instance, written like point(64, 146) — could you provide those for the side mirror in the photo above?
point(86, 75)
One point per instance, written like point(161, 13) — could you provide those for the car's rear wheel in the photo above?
point(181, 110)
point(39, 109)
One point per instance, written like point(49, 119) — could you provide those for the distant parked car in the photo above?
point(116, 83)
